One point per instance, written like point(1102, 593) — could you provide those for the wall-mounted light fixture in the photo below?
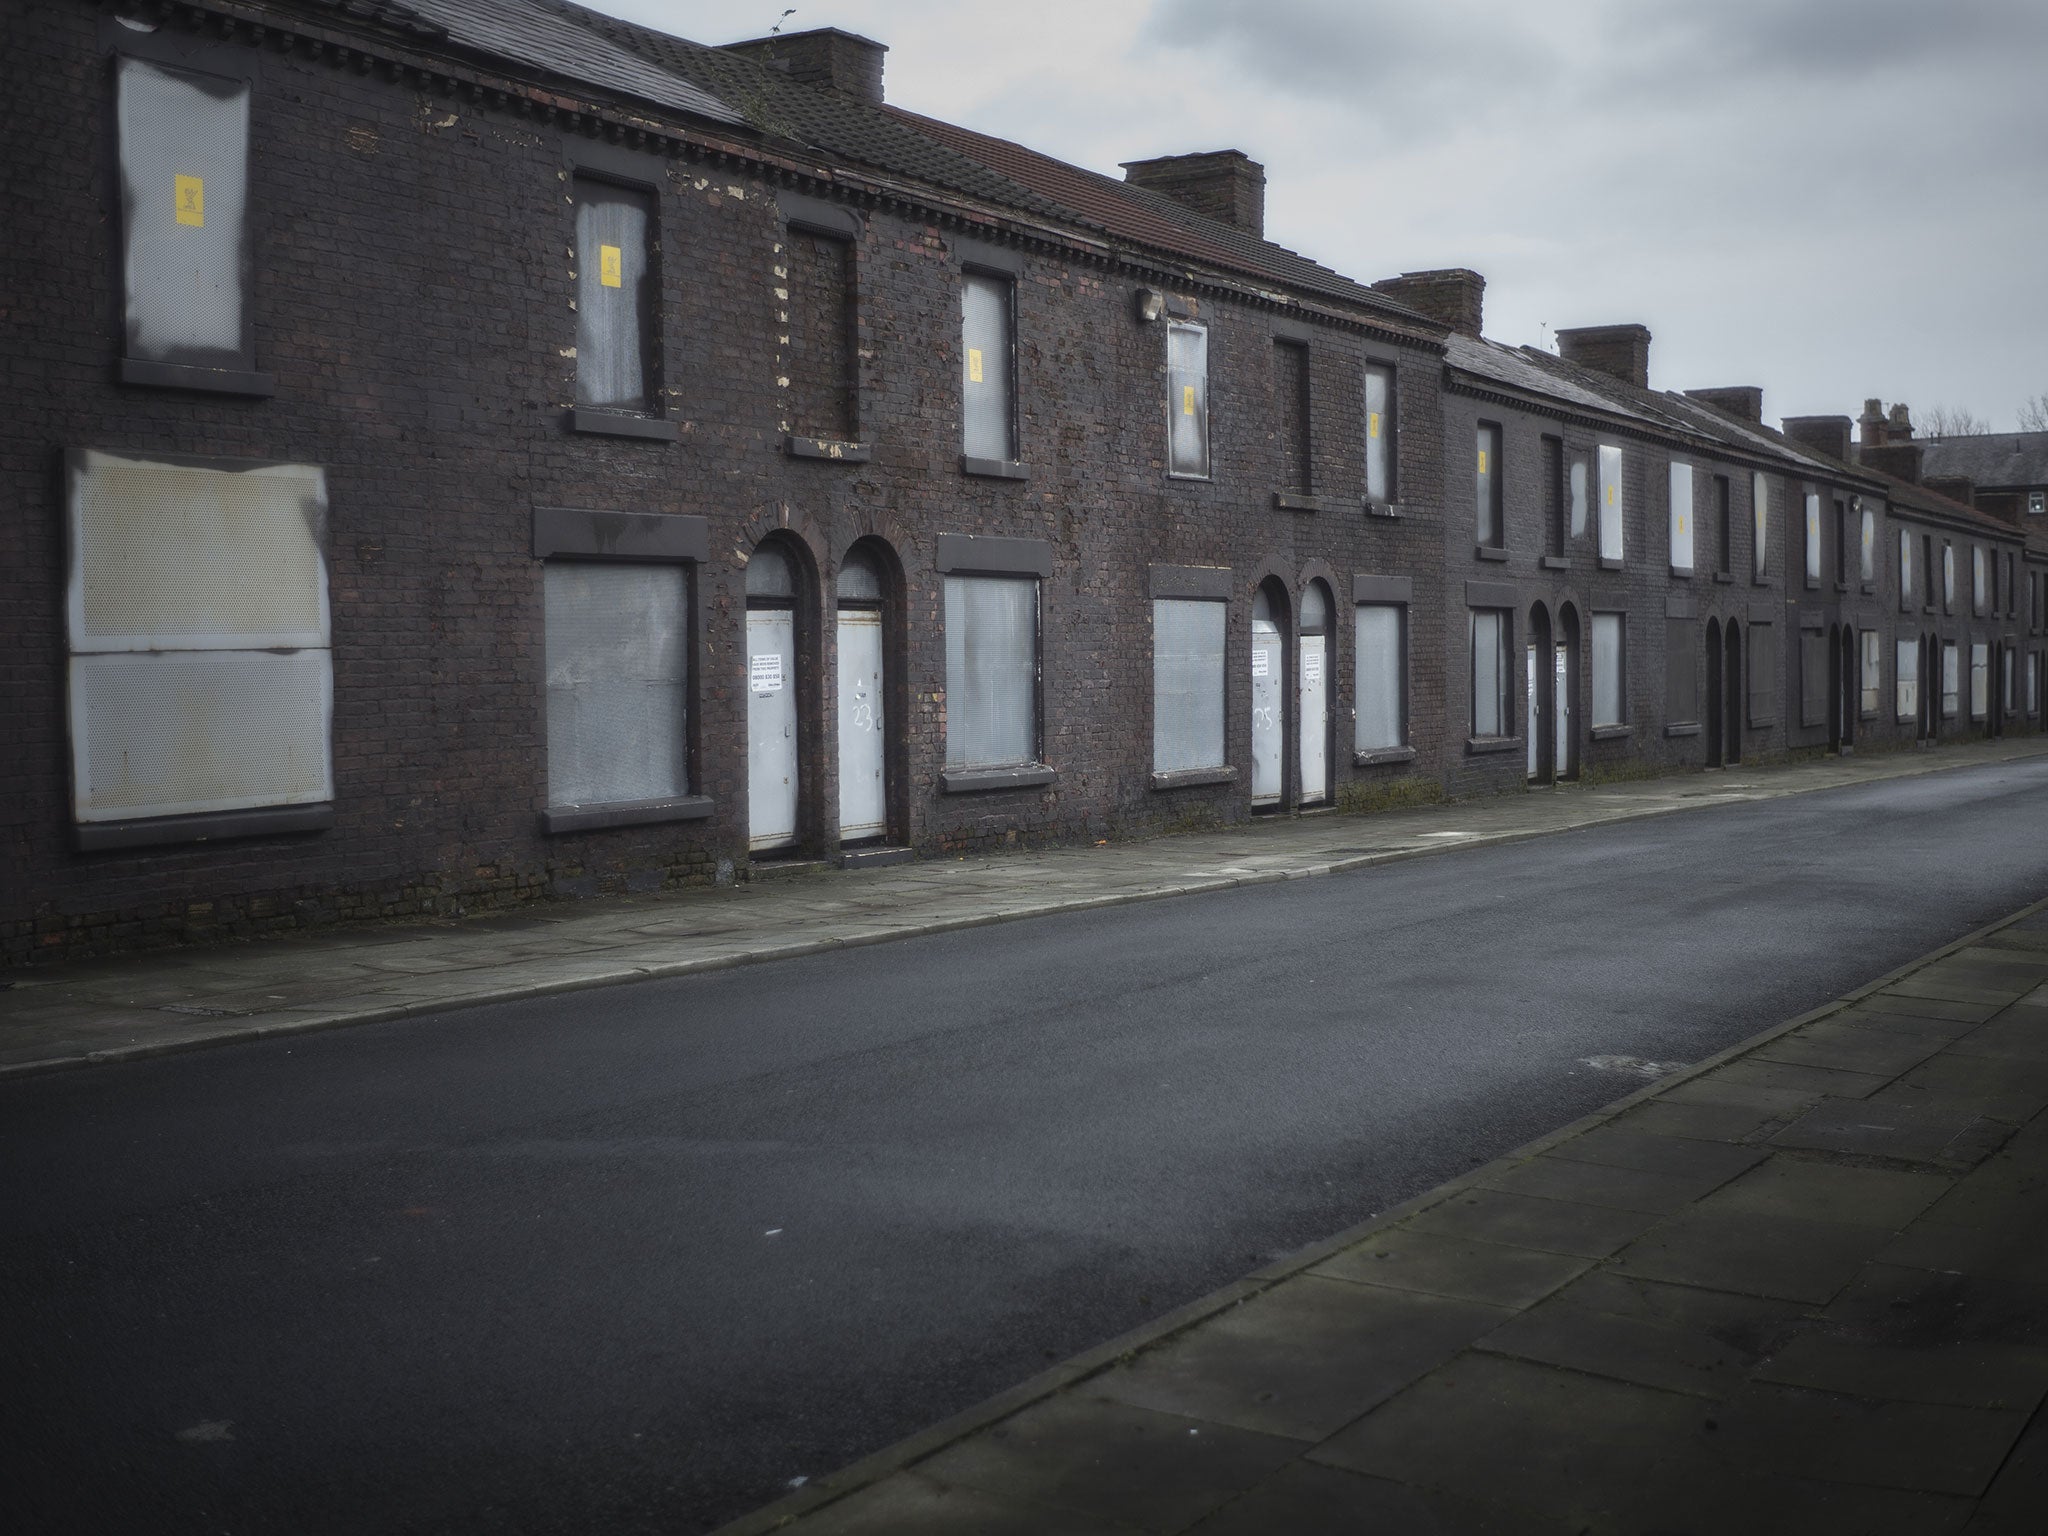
point(1151, 304)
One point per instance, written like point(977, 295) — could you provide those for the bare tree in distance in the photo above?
point(1943, 421)
point(2034, 414)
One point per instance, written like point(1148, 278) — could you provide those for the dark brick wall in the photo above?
point(414, 298)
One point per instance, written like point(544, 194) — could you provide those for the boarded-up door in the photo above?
point(1532, 703)
point(771, 728)
point(1315, 720)
point(1269, 712)
point(1562, 724)
point(863, 787)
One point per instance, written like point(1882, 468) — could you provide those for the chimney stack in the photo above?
point(1745, 402)
point(1871, 427)
point(1823, 434)
point(838, 61)
point(1225, 184)
point(1886, 442)
point(1620, 350)
point(1452, 296)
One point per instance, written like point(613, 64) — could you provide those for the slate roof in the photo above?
point(990, 170)
point(1145, 217)
point(1997, 460)
point(537, 37)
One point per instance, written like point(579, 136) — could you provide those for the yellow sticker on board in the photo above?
point(1372, 423)
point(1187, 399)
point(609, 266)
point(191, 194)
point(1610, 495)
point(1681, 524)
point(1482, 461)
point(974, 365)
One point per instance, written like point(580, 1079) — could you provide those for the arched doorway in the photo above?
point(1733, 696)
point(1314, 669)
point(774, 747)
point(1269, 697)
point(1716, 696)
point(865, 703)
point(1540, 698)
point(1564, 696)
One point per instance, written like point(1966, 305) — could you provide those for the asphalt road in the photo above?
point(634, 1259)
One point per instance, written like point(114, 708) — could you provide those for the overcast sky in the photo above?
point(1830, 198)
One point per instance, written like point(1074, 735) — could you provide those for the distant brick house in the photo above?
point(464, 451)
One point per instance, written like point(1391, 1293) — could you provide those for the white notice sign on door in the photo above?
point(1259, 654)
point(1311, 666)
point(765, 673)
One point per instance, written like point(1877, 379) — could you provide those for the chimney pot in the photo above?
point(1620, 350)
point(1452, 296)
point(1224, 184)
point(825, 56)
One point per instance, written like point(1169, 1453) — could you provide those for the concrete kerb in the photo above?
point(906, 1453)
point(236, 1035)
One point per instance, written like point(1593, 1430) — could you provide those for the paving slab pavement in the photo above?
point(1801, 1287)
point(98, 1012)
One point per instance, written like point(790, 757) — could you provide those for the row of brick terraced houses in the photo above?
point(464, 451)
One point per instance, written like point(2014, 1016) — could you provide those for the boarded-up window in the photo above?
point(1867, 542)
point(1948, 578)
point(1578, 495)
point(1813, 538)
point(1978, 599)
point(1612, 504)
point(1906, 657)
point(1681, 517)
point(1760, 525)
point(1187, 399)
point(1905, 571)
point(615, 302)
point(991, 671)
point(1379, 432)
point(1724, 525)
point(987, 374)
point(1980, 680)
point(617, 678)
point(1873, 671)
point(1187, 684)
point(1553, 494)
point(2006, 684)
point(1763, 674)
point(1381, 654)
point(2033, 683)
point(1492, 710)
point(201, 677)
point(1610, 660)
point(1951, 681)
point(821, 321)
point(1681, 672)
point(1291, 413)
point(1487, 486)
point(184, 141)
point(1813, 677)
point(1841, 542)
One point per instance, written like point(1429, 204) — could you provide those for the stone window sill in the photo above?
point(1691, 728)
point(1609, 563)
point(1723, 578)
point(583, 418)
point(1768, 723)
point(1682, 572)
point(1554, 563)
point(969, 781)
point(1378, 755)
point(1393, 511)
point(1302, 501)
point(625, 813)
point(210, 827)
point(1489, 552)
point(1479, 746)
point(830, 449)
point(215, 381)
point(1188, 778)
point(1613, 732)
point(994, 469)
